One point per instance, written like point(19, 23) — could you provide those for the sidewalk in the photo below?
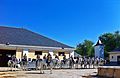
point(8, 69)
point(61, 73)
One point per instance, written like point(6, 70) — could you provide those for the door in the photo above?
point(118, 59)
point(4, 57)
point(3, 60)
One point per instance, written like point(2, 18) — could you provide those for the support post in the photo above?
point(72, 53)
point(51, 53)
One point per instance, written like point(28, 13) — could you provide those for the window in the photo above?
point(61, 53)
point(38, 52)
point(112, 57)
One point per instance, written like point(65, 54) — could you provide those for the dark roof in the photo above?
point(116, 50)
point(20, 36)
point(98, 43)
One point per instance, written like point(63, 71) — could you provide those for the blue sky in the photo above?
point(67, 21)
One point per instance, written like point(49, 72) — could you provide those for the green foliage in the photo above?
point(111, 41)
point(85, 48)
point(117, 39)
point(80, 49)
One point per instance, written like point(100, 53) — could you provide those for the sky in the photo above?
point(67, 21)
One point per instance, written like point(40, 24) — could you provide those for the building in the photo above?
point(99, 49)
point(77, 55)
point(114, 57)
point(19, 41)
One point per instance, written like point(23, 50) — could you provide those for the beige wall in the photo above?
point(114, 55)
point(44, 52)
point(32, 55)
point(61, 57)
point(18, 53)
point(67, 54)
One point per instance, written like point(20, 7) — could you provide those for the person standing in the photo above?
point(24, 62)
point(57, 59)
point(49, 62)
point(44, 58)
point(38, 61)
point(64, 59)
point(49, 59)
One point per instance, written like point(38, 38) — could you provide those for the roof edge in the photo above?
point(28, 46)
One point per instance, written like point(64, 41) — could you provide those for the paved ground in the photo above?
point(61, 73)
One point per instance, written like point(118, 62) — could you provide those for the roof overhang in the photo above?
point(12, 46)
point(114, 52)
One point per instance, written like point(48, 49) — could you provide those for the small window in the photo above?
point(112, 57)
point(61, 53)
point(38, 52)
point(0, 54)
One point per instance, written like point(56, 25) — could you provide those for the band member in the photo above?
point(38, 61)
point(64, 59)
point(44, 57)
point(49, 59)
point(24, 62)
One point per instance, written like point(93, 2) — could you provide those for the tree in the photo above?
point(111, 41)
point(80, 49)
point(85, 48)
point(88, 47)
point(108, 39)
point(117, 39)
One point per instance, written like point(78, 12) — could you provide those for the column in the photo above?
point(51, 53)
point(72, 53)
point(18, 54)
point(25, 51)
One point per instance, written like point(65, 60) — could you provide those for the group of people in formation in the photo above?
point(73, 62)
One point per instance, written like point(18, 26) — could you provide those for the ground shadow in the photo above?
point(34, 73)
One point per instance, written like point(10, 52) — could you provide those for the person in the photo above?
point(45, 61)
point(89, 61)
point(49, 59)
point(93, 62)
point(38, 57)
point(44, 58)
point(71, 61)
point(14, 59)
point(82, 62)
point(37, 60)
point(77, 61)
point(97, 61)
point(24, 61)
point(25, 57)
point(49, 62)
point(64, 59)
point(57, 59)
point(85, 62)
